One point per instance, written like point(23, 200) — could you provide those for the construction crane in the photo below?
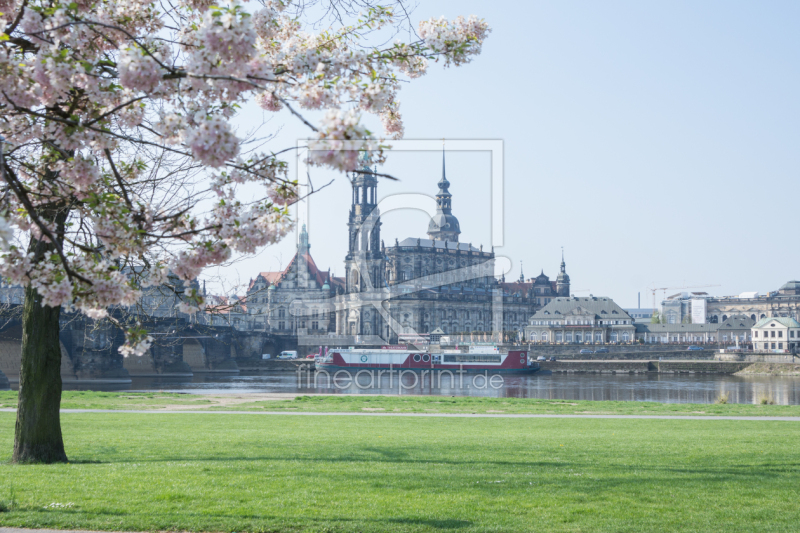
point(665, 289)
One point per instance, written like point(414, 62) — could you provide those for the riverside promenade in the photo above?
point(639, 366)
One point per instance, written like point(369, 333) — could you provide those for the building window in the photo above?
point(780, 345)
point(773, 345)
point(780, 334)
point(280, 325)
point(755, 334)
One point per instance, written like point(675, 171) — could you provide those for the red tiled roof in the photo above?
point(516, 286)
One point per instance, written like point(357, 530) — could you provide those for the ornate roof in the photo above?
point(444, 225)
point(601, 306)
point(431, 243)
point(782, 320)
point(791, 286)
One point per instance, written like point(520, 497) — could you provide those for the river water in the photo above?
point(670, 388)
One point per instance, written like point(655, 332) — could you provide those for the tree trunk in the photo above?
point(38, 431)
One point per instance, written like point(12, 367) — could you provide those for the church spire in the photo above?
point(562, 281)
point(443, 172)
point(521, 275)
point(444, 225)
point(303, 246)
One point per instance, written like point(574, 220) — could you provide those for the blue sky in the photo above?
point(656, 142)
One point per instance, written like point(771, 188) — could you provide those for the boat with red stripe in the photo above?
point(476, 359)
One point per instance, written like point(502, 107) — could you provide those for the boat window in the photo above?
point(471, 358)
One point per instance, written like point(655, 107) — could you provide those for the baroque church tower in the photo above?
point(444, 225)
point(364, 263)
point(562, 281)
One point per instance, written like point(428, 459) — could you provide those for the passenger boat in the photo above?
point(477, 359)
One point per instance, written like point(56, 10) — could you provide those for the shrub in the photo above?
point(723, 398)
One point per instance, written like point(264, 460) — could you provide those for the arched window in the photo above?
point(544, 337)
point(724, 318)
point(534, 337)
point(625, 336)
point(752, 317)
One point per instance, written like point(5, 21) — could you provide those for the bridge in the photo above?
point(89, 349)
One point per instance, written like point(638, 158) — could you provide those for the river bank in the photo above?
point(386, 403)
point(770, 369)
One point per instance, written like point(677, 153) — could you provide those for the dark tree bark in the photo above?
point(37, 438)
point(38, 431)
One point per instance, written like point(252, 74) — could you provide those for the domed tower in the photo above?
point(364, 264)
point(562, 281)
point(444, 225)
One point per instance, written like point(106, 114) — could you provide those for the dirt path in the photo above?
point(428, 415)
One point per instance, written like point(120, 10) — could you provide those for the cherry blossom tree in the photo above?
point(119, 121)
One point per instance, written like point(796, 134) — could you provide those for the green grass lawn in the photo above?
point(285, 473)
point(402, 404)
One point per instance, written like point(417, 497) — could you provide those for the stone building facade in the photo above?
point(298, 300)
point(582, 320)
point(784, 302)
point(776, 334)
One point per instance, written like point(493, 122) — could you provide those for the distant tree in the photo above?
point(656, 318)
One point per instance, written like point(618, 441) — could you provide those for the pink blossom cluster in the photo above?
point(188, 264)
point(340, 140)
point(80, 172)
point(6, 234)
point(139, 70)
point(392, 121)
point(269, 101)
point(229, 33)
point(458, 40)
point(212, 142)
point(136, 346)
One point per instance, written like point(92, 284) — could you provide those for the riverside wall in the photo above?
point(642, 367)
point(271, 365)
point(626, 352)
point(757, 357)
